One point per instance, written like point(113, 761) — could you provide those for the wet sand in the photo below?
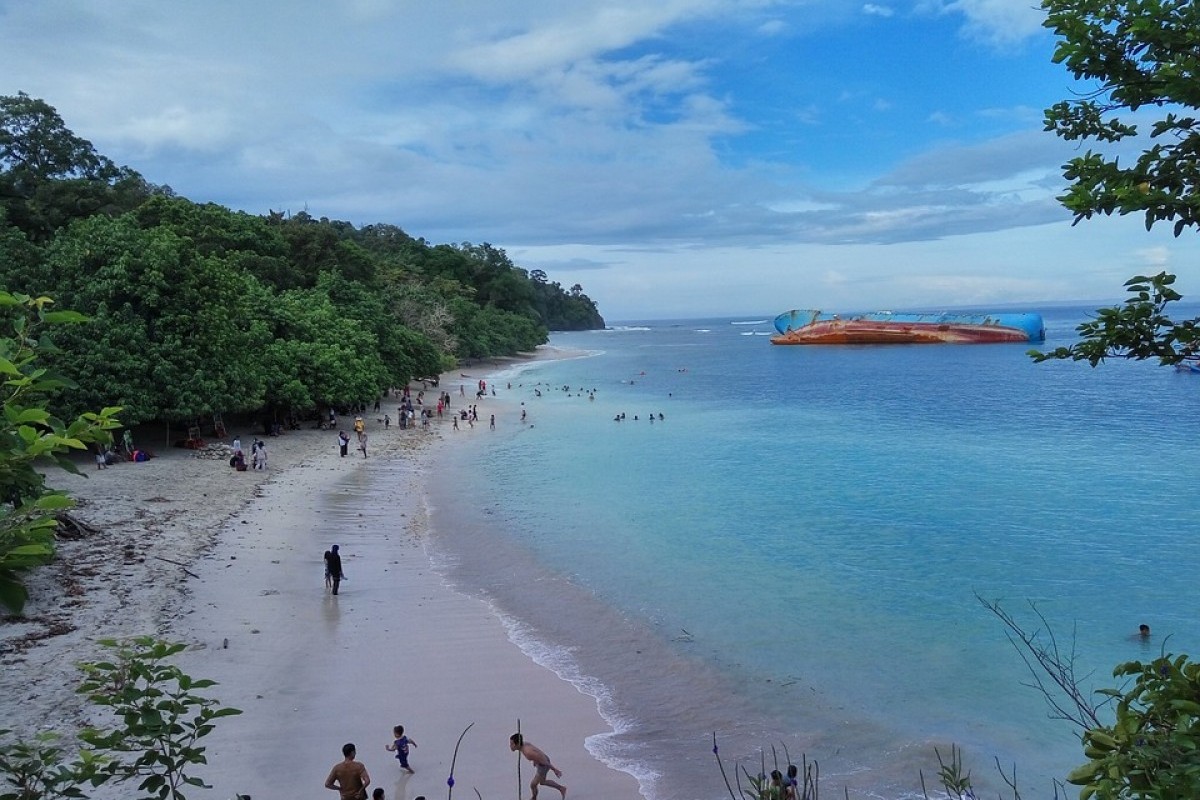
point(243, 589)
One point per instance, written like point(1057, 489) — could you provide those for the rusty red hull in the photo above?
point(815, 327)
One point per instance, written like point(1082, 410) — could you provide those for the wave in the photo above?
point(749, 322)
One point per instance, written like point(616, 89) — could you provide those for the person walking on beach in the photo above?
point(333, 568)
point(400, 747)
point(362, 443)
point(541, 761)
point(343, 442)
point(348, 777)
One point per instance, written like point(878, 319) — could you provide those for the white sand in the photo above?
point(309, 670)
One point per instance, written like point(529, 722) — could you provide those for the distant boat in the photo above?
point(1189, 364)
point(886, 327)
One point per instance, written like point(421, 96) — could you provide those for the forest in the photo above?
point(194, 309)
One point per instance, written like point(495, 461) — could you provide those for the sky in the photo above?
point(676, 158)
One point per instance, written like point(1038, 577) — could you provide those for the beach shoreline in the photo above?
point(229, 564)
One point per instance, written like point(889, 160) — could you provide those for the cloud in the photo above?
point(638, 146)
point(1000, 23)
point(569, 265)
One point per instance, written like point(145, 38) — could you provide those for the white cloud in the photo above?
point(593, 136)
point(1158, 258)
point(996, 22)
point(874, 10)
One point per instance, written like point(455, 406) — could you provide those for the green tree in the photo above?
point(36, 145)
point(173, 332)
point(1139, 329)
point(318, 356)
point(1138, 55)
point(49, 176)
point(1142, 739)
point(30, 437)
point(160, 717)
point(1151, 749)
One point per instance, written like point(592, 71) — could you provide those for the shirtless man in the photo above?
point(348, 777)
point(541, 761)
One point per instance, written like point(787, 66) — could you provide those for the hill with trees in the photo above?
point(195, 309)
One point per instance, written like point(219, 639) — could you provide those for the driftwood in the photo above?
point(71, 528)
point(179, 564)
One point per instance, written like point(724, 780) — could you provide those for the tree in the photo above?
point(1138, 54)
point(36, 145)
point(173, 331)
point(1142, 740)
point(318, 356)
point(159, 719)
point(49, 176)
point(1152, 747)
point(161, 716)
point(30, 436)
point(1139, 329)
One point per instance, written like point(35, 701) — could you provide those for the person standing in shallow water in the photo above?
point(541, 761)
point(333, 568)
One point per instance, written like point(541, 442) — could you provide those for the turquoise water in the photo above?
point(790, 558)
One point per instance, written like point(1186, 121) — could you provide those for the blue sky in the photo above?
point(676, 158)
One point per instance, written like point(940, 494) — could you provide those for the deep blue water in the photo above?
point(791, 556)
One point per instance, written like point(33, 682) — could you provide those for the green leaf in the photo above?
point(54, 502)
point(63, 317)
point(13, 594)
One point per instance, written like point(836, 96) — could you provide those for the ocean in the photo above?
point(786, 547)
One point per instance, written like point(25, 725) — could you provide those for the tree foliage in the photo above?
point(35, 145)
point(32, 437)
point(1139, 329)
point(49, 176)
point(1151, 749)
point(159, 716)
point(1137, 56)
point(1141, 739)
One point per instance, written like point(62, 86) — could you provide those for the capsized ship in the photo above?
point(810, 326)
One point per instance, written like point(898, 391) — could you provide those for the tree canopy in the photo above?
point(1142, 60)
point(1138, 54)
point(31, 436)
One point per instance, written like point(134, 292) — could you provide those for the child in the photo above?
point(400, 746)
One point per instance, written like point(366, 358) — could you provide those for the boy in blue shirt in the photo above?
point(400, 746)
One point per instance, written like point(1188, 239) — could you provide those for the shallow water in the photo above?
point(791, 556)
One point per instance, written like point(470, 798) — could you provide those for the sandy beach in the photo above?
point(230, 563)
